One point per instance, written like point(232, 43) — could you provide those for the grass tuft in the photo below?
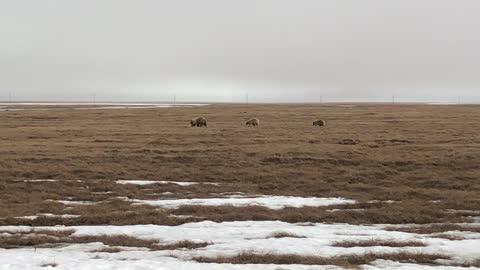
point(379, 243)
point(344, 260)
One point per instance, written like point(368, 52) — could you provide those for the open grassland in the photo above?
point(401, 165)
point(424, 158)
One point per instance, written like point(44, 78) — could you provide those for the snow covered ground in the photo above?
point(234, 238)
point(79, 257)
point(229, 239)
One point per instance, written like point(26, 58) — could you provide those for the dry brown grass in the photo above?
point(285, 235)
point(387, 214)
point(450, 237)
point(475, 263)
point(52, 233)
point(116, 240)
point(50, 238)
point(47, 240)
point(344, 261)
point(185, 244)
point(435, 228)
point(379, 243)
point(108, 250)
point(413, 154)
point(49, 265)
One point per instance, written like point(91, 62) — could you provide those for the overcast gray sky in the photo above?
point(219, 50)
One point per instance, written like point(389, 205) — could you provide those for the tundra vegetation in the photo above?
point(403, 164)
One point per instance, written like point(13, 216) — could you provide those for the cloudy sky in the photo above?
point(220, 50)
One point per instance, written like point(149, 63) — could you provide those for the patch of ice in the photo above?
point(272, 202)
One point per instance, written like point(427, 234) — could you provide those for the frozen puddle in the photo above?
point(152, 182)
point(272, 202)
point(230, 239)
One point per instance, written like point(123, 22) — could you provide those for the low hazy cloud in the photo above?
point(222, 50)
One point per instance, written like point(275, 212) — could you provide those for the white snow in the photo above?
point(45, 180)
point(272, 202)
point(28, 217)
point(48, 215)
point(136, 182)
point(384, 264)
point(40, 180)
point(229, 239)
point(151, 182)
point(76, 202)
point(78, 257)
point(102, 192)
point(388, 201)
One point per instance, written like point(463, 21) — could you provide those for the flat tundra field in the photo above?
point(377, 187)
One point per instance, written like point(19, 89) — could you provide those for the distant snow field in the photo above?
point(89, 105)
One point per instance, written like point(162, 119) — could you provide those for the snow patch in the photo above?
point(151, 182)
point(76, 202)
point(102, 192)
point(48, 215)
point(40, 180)
point(272, 202)
point(80, 257)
